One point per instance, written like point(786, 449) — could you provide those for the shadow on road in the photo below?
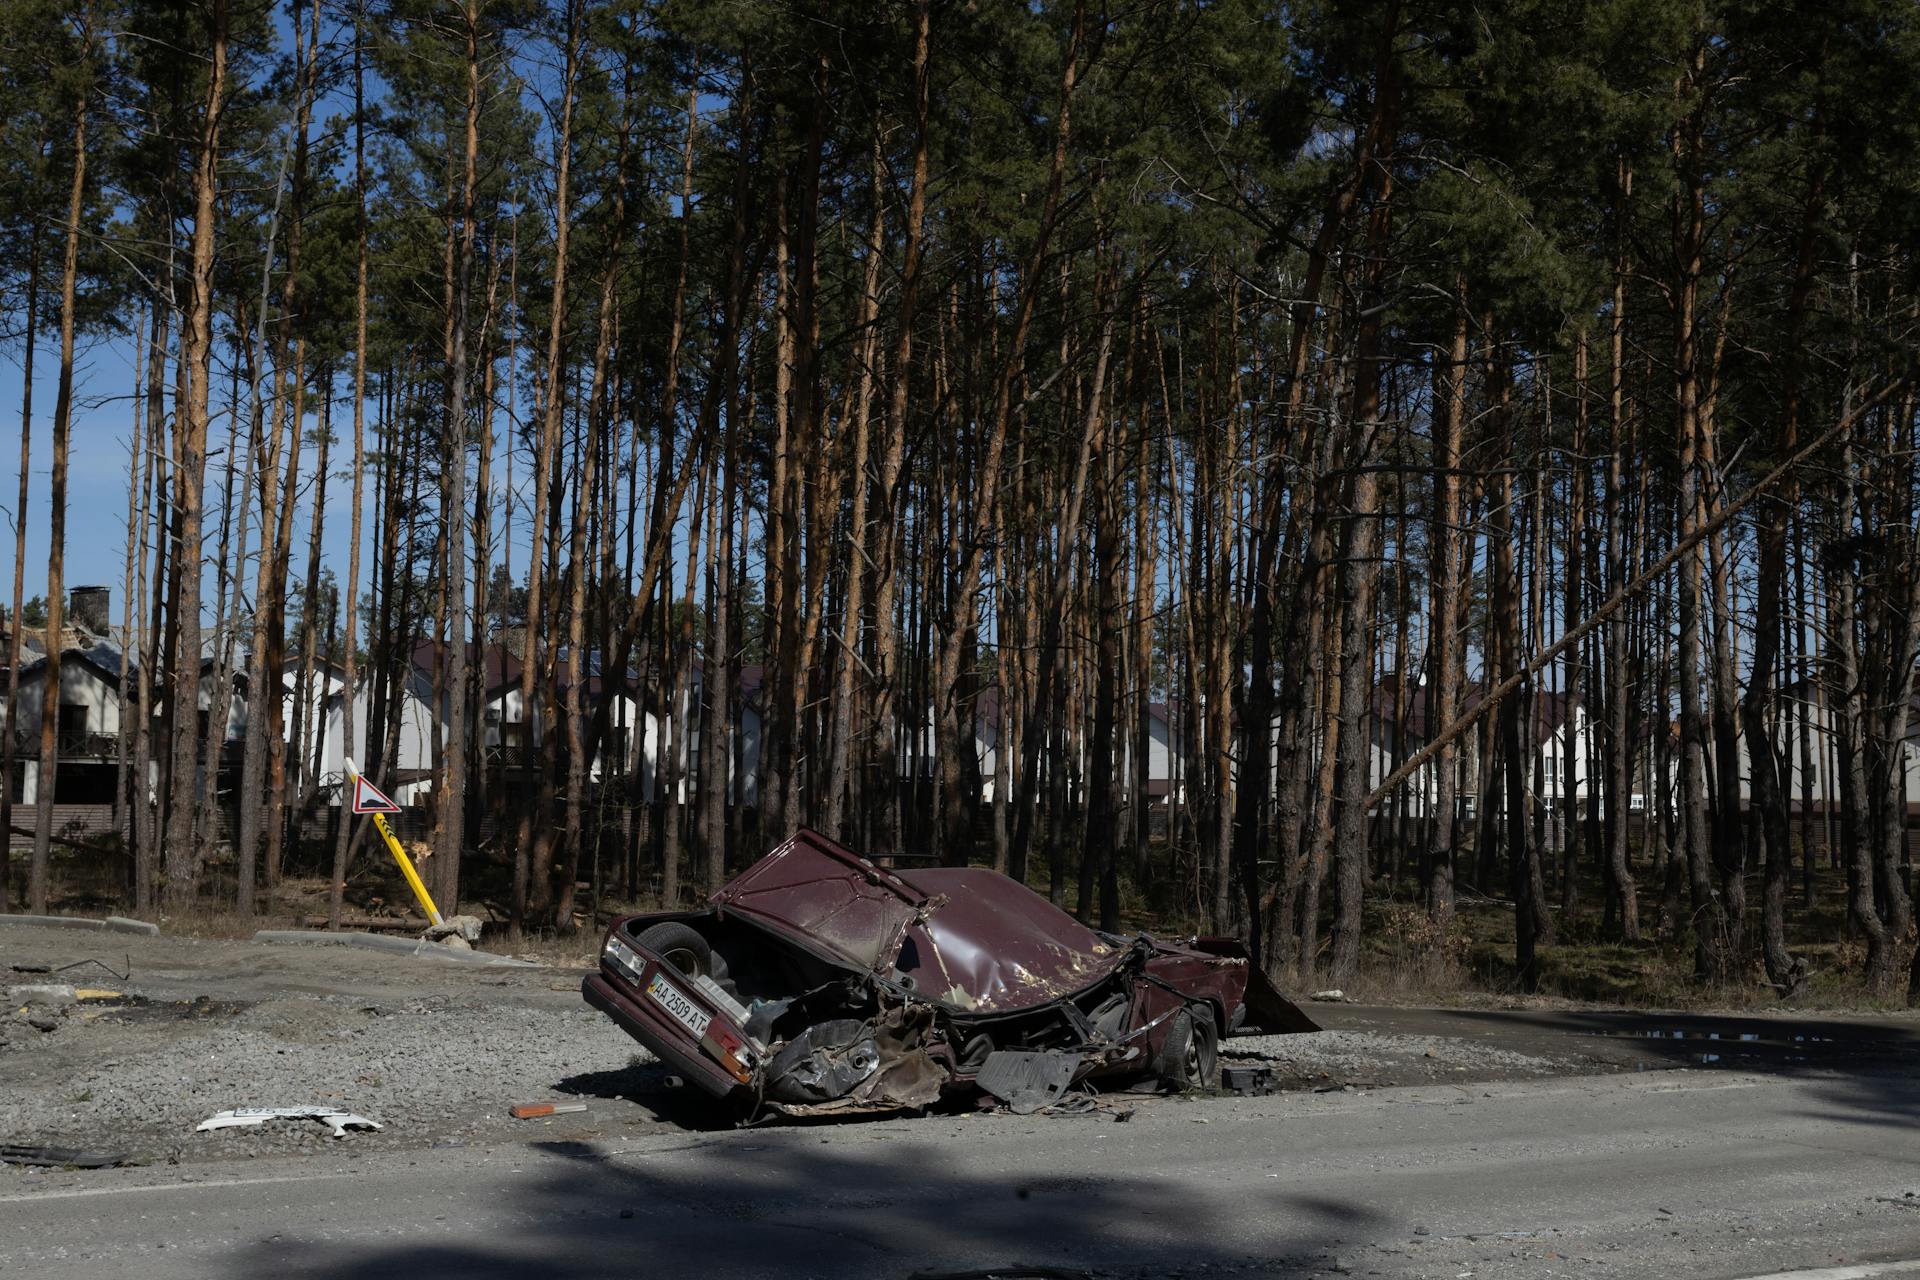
point(1879, 1098)
point(789, 1204)
point(1862, 1070)
point(1676, 1039)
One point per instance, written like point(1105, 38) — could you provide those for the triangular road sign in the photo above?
point(368, 798)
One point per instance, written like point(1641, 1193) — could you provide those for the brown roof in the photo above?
point(502, 667)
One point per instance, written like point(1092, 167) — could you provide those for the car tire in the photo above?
point(1189, 1056)
point(682, 947)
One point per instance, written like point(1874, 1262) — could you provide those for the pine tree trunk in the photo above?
point(264, 678)
point(452, 805)
point(839, 750)
point(1258, 712)
point(1576, 674)
point(306, 767)
point(1710, 957)
point(986, 495)
point(349, 662)
point(47, 783)
point(1770, 780)
point(15, 625)
point(1443, 690)
point(532, 887)
point(1359, 569)
point(1619, 738)
point(183, 821)
point(884, 763)
point(136, 524)
point(717, 775)
point(145, 809)
point(580, 743)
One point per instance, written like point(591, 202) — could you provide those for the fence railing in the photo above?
point(76, 744)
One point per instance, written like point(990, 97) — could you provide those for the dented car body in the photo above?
point(817, 981)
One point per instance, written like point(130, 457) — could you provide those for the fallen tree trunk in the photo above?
point(1547, 656)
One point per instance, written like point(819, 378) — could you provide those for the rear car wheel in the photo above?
point(1189, 1056)
point(683, 948)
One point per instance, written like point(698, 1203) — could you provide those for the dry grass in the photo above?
point(578, 951)
point(1404, 963)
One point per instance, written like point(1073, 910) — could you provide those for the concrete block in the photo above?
point(381, 942)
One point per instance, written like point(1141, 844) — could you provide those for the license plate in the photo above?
point(675, 1002)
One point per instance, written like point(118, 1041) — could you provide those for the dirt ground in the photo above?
point(170, 1030)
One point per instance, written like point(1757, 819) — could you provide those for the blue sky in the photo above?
point(97, 470)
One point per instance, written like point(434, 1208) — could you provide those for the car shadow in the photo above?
point(655, 1088)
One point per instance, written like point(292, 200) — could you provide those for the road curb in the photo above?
point(380, 942)
point(112, 924)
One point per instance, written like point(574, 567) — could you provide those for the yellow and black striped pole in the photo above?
point(399, 854)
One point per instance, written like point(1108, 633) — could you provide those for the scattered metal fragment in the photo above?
point(47, 968)
point(1087, 1104)
point(62, 1157)
point(337, 1118)
point(534, 1110)
point(823, 1062)
point(1252, 1080)
point(903, 1075)
point(1027, 1081)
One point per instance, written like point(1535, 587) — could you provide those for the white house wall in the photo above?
point(1819, 781)
point(80, 685)
point(415, 749)
point(743, 748)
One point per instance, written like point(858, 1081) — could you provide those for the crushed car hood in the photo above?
point(830, 898)
point(995, 946)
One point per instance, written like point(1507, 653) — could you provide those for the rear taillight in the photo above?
point(730, 1051)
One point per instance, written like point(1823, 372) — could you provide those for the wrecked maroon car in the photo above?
point(817, 981)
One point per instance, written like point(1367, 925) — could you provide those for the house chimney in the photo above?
point(89, 608)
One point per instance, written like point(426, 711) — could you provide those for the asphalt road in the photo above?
point(1691, 1173)
point(1644, 1040)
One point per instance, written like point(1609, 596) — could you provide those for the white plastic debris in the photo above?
point(339, 1119)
